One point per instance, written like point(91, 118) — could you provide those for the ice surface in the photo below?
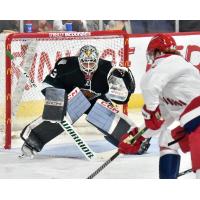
point(61, 159)
point(65, 161)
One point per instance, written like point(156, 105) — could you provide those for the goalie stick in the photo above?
point(115, 155)
point(80, 143)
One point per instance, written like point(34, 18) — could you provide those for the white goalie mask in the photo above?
point(88, 59)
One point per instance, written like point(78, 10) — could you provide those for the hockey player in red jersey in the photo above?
point(91, 84)
point(171, 91)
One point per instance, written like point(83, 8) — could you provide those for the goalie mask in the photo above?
point(88, 59)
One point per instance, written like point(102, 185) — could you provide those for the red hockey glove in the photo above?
point(125, 145)
point(152, 118)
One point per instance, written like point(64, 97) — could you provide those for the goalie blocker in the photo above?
point(55, 104)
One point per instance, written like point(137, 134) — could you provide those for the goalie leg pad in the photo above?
point(36, 135)
point(109, 120)
point(55, 104)
point(77, 105)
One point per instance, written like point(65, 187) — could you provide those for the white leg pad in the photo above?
point(108, 119)
point(77, 105)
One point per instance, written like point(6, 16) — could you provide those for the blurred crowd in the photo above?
point(131, 26)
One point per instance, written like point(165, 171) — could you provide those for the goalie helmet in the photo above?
point(163, 43)
point(88, 59)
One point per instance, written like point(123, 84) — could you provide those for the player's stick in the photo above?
point(114, 156)
point(184, 172)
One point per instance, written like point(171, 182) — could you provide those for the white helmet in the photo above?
point(88, 59)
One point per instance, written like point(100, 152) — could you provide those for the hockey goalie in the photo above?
point(83, 84)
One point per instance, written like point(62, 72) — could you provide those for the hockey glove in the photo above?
point(126, 147)
point(121, 84)
point(152, 118)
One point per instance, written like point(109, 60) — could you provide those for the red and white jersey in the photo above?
point(172, 83)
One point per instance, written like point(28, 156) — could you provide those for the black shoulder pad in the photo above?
point(104, 65)
point(62, 61)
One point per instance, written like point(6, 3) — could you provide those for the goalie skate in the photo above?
point(27, 151)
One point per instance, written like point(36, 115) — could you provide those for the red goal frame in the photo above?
point(53, 35)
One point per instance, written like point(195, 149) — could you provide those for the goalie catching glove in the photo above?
point(126, 146)
point(121, 84)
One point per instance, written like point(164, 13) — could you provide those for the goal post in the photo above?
point(25, 60)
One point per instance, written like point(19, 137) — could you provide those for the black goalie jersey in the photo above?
point(67, 75)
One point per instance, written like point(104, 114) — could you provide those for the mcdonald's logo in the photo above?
point(126, 41)
point(8, 46)
point(8, 121)
point(8, 96)
point(9, 71)
point(126, 63)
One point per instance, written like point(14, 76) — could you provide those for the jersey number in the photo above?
point(54, 73)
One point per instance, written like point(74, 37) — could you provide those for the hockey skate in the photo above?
point(27, 151)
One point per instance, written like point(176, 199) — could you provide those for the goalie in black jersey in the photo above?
point(83, 84)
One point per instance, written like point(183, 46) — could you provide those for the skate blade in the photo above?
point(22, 156)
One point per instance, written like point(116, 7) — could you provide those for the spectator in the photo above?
point(39, 25)
point(9, 26)
point(58, 25)
point(44, 26)
point(92, 25)
point(152, 26)
point(34, 25)
point(189, 25)
point(115, 25)
point(77, 25)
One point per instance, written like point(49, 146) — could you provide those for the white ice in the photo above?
point(61, 159)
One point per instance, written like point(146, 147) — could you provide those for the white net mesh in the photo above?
point(32, 59)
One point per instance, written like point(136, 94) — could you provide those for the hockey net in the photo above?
point(26, 58)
